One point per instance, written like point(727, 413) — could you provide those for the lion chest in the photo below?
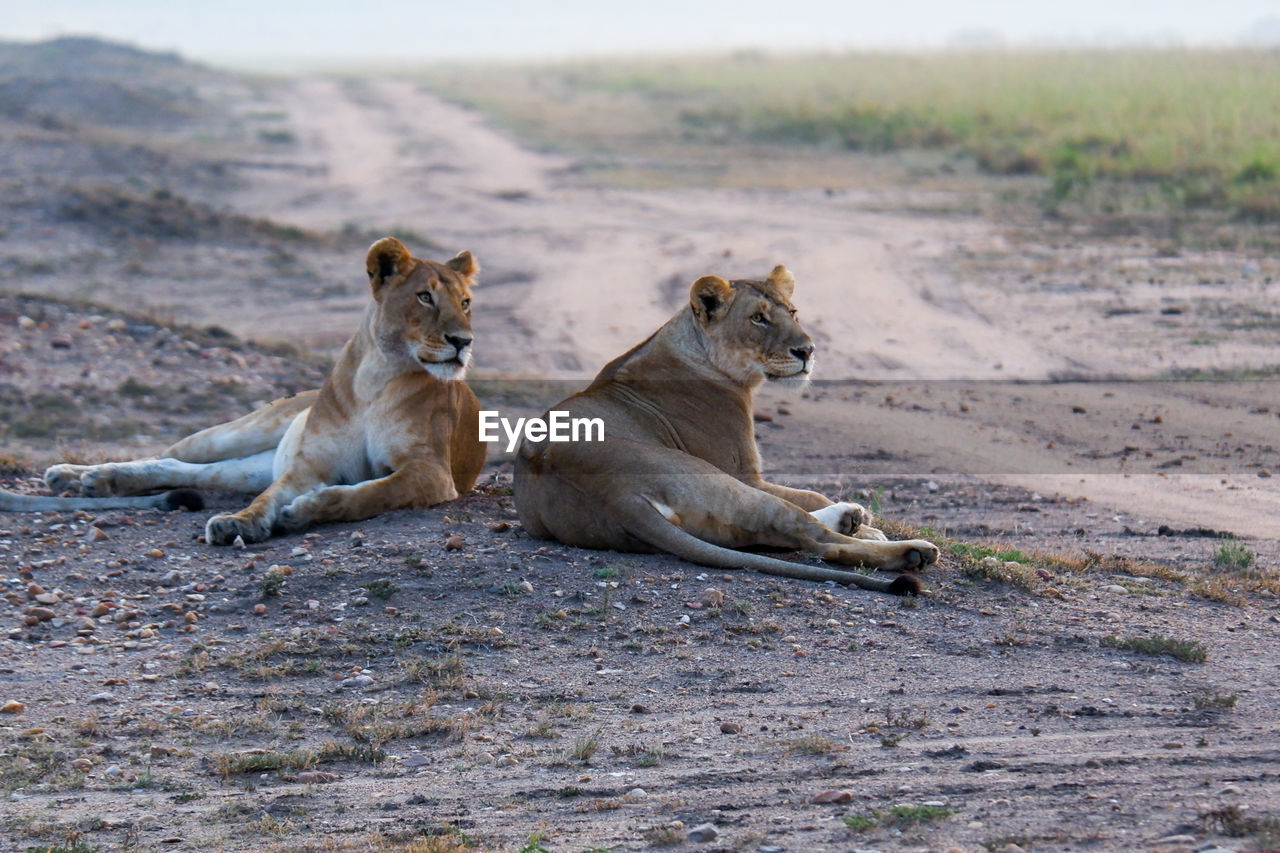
point(365, 448)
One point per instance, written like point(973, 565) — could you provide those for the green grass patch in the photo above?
point(1180, 129)
point(382, 588)
point(1188, 651)
point(898, 817)
point(1233, 556)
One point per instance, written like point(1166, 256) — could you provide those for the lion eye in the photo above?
point(466, 305)
point(759, 319)
point(425, 298)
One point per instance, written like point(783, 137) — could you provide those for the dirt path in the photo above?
point(585, 272)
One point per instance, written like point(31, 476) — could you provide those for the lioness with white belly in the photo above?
point(678, 469)
point(393, 426)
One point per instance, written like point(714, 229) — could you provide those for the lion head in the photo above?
point(423, 308)
point(751, 328)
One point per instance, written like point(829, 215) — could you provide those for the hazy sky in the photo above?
point(254, 31)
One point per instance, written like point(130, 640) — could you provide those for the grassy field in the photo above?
point(1109, 131)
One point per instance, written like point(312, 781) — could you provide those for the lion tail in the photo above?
point(187, 499)
point(655, 529)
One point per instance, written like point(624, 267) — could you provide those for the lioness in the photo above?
point(678, 469)
point(393, 425)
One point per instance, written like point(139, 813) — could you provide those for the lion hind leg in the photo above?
point(721, 510)
point(249, 435)
point(655, 523)
point(250, 474)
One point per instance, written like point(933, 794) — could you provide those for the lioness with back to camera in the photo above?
point(678, 469)
point(393, 426)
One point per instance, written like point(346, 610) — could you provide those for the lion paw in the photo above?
point(62, 477)
point(919, 553)
point(223, 529)
point(297, 514)
point(873, 533)
point(99, 481)
point(844, 518)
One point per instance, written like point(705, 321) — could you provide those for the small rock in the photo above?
point(637, 793)
point(931, 486)
point(97, 534)
point(526, 586)
point(1115, 589)
point(259, 610)
point(1177, 839)
point(41, 614)
point(1230, 789)
point(25, 322)
point(415, 761)
point(832, 796)
point(112, 772)
point(12, 707)
point(104, 696)
point(238, 543)
point(1264, 473)
point(156, 553)
point(47, 598)
point(703, 833)
point(357, 681)
point(730, 728)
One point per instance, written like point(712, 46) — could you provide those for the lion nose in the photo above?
point(803, 353)
point(460, 342)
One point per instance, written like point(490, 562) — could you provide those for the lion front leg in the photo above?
point(807, 500)
point(398, 490)
point(256, 522)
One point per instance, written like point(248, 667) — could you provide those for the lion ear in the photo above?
point(782, 279)
point(464, 264)
point(709, 296)
point(387, 258)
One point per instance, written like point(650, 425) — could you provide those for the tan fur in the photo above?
point(393, 426)
point(678, 469)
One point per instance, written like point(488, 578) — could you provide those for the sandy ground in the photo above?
point(511, 687)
